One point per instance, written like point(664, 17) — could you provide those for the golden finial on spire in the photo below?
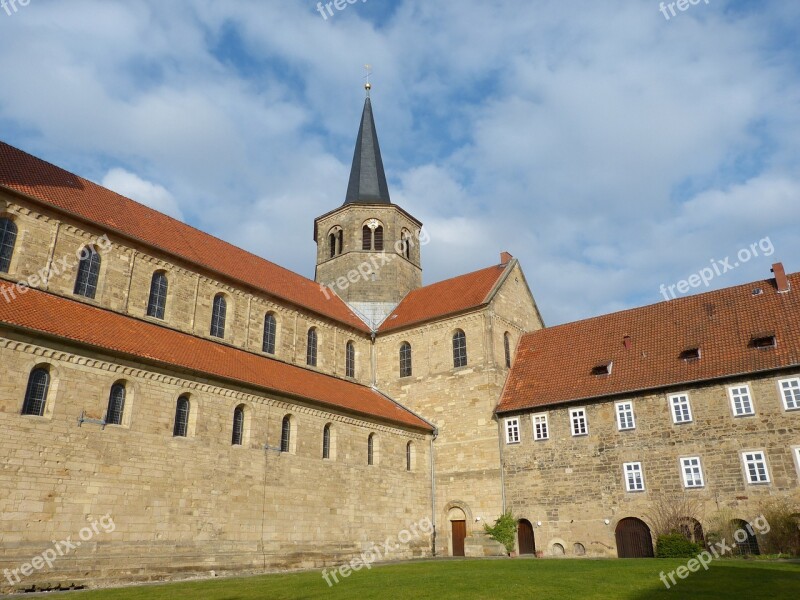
point(368, 85)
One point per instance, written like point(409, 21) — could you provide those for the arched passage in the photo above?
point(458, 531)
point(634, 539)
point(746, 542)
point(525, 538)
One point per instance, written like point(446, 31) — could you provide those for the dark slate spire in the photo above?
point(367, 183)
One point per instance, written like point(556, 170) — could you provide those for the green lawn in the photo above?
point(495, 579)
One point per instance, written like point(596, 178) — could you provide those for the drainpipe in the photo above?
point(373, 360)
point(433, 490)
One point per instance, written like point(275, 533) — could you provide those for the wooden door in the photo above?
point(633, 539)
point(527, 544)
point(459, 535)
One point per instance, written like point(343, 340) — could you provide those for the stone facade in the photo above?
point(193, 504)
point(572, 488)
point(359, 275)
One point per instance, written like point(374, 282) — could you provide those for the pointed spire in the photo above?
point(367, 183)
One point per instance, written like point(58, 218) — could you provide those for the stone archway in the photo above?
point(634, 539)
point(457, 518)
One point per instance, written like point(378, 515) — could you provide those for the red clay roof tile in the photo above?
point(553, 365)
point(111, 212)
point(118, 334)
point(444, 298)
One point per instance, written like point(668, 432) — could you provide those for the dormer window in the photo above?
point(763, 341)
point(690, 354)
point(602, 369)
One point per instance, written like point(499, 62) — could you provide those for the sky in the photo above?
point(612, 147)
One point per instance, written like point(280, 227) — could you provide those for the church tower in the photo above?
point(368, 249)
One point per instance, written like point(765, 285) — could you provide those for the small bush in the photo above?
point(504, 531)
point(675, 545)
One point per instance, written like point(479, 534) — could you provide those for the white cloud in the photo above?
point(150, 194)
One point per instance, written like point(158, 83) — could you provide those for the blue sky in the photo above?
point(610, 149)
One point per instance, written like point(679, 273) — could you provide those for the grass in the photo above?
point(507, 579)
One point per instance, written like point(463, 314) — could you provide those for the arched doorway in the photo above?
point(525, 538)
point(692, 530)
point(746, 542)
point(458, 530)
point(634, 539)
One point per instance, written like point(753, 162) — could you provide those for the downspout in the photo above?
point(433, 490)
point(373, 359)
point(502, 463)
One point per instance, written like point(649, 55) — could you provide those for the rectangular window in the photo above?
point(512, 431)
point(692, 472)
point(577, 417)
point(790, 390)
point(755, 467)
point(634, 481)
point(540, 429)
point(681, 409)
point(797, 459)
point(625, 418)
point(741, 402)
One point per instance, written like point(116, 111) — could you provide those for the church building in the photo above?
point(228, 415)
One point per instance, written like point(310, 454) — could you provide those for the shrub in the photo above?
point(675, 545)
point(504, 530)
point(783, 517)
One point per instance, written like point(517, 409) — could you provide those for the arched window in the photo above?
point(332, 244)
point(238, 426)
point(270, 331)
point(507, 348)
point(116, 404)
point(8, 237)
point(286, 434)
point(405, 359)
point(181, 428)
point(378, 237)
point(409, 456)
point(36, 393)
point(88, 273)
point(459, 349)
point(326, 441)
point(366, 238)
point(405, 237)
point(311, 348)
point(341, 242)
point(157, 303)
point(371, 449)
point(350, 360)
point(218, 315)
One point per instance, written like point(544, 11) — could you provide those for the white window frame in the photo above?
point(512, 430)
point(672, 405)
point(795, 397)
point(796, 455)
point(732, 395)
point(572, 413)
point(625, 408)
point(697, 479)
point(536, 430)
point(633, 468)
point(755, 457)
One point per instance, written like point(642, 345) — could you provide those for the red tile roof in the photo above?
point(553, 365)
point(101, 329)
point(444, 298)
point(111, 212)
